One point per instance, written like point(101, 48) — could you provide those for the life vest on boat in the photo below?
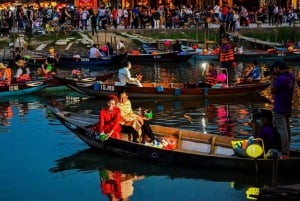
point(211, 80)
point(7, 81)
point(216, 51)
point(227, 55)
point(135, 52)
point(23, 78)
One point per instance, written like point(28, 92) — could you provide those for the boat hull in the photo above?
point(17, 89)
point(187, 153)
point(160, 57)
point(70, 62)
point(163, 90)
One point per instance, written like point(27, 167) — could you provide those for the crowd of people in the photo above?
point(28, 17)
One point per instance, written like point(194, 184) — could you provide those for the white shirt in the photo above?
point(125, 77)
point(125, 13)
point(20, 72)
point(120, 45)
point(216, 9)
point(94, 53)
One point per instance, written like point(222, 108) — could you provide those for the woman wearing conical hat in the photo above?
point(23, 72)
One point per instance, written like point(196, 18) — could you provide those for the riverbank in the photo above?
point(134, 37)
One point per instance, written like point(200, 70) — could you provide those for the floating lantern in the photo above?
point(221, 77)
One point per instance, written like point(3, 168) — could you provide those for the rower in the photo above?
point(125, 76)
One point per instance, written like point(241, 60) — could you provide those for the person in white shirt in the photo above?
point(125, 76)
point(84, 18)
point(94, 52)
point(216, 13)
point(121, 47)
point(125, 15)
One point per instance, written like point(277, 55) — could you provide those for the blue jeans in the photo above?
point(281, 122)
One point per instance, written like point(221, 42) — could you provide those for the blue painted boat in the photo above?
point(17, 89)
point(68, 61)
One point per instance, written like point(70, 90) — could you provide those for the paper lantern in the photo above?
point(221, 77)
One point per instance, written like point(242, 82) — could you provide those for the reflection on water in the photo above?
point(118, 175)
point(74, 174)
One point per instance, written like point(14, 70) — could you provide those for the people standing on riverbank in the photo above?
point(283, 89)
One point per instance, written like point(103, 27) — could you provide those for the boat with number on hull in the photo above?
point(163, 90)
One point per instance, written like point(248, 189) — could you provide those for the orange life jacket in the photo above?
point(7, 80)
point(227, 56)
point(23, 78)
point(211, 80)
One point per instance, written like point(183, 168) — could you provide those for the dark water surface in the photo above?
point(43, 160)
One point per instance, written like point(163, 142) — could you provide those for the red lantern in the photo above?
point(194, 46)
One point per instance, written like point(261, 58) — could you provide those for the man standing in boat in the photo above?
point(283, 89)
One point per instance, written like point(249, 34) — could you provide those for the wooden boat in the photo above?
point(162, 90)
point(69, 61)
point(17, 89)
point(187, 148)
point(58, 86)
point(149, 53)
point(249, 55)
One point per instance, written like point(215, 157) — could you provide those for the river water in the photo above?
point(43, 160)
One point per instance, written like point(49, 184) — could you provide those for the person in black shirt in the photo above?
point(177, 46)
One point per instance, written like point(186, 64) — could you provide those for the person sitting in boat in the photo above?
point(94, 52)
point(110, 50)
point(23, 72)
point(131, 123)
point(125, 78)
point(76, 73)
point(109, 118)
point(211, 75)
point(47, 69)
point(177, 46)
point(267, 133)
point(121, 49)
point(5, 75)
point(255, 74)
